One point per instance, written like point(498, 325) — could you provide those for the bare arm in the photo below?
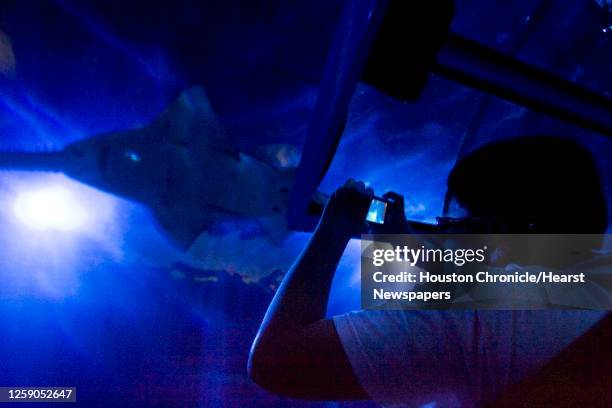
point(297, 351)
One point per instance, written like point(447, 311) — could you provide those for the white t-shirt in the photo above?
point(454, 358)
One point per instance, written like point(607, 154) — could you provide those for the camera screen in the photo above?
point(376, 213)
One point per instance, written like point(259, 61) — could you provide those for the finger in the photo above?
point(393, 196)
point(369, 192)
point(349, 183)
point(359, 186)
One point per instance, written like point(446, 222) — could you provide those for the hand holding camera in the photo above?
point(353, 210)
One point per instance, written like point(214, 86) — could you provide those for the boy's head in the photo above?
point(537, 184)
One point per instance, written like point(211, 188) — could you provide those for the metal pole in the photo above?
point(476, 66)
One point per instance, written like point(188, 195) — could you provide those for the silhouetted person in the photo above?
point(452, 358)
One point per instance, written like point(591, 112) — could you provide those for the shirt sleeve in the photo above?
point(410, 358)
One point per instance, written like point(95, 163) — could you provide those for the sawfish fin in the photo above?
point(190, 121)
point(181, 229)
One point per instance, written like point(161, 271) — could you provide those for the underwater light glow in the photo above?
point(50, 208)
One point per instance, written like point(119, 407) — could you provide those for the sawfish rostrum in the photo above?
point(180, 166)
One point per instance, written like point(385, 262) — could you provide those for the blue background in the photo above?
point(117, 311)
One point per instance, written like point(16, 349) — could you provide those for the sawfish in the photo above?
point(181, 167)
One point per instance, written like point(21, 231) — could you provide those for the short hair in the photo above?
point(551, 181)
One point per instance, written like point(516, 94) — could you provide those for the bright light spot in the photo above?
point(50, 208)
